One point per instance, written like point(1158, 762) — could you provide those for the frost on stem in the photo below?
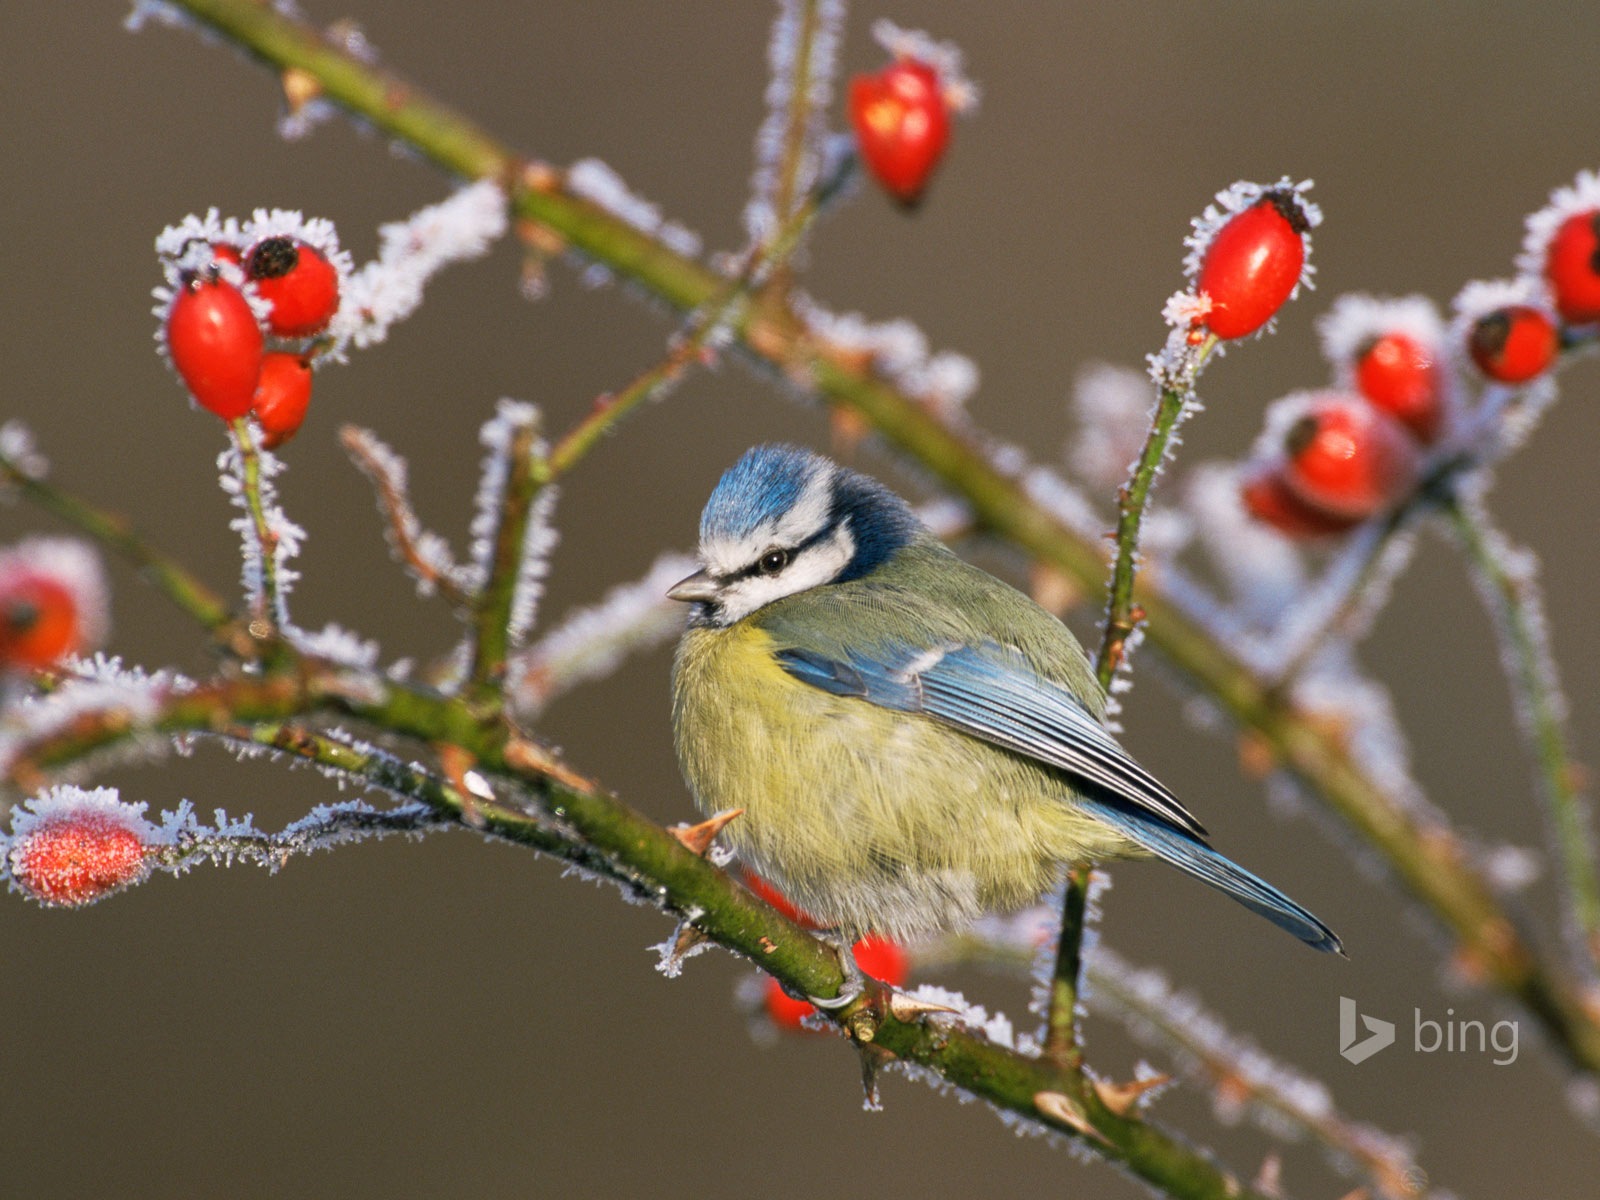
point(596, 182)
point(21, 455)
point(499, 435)
point(899, 352)
point(261, 564)
point(426, 555)
point(410, 252)
point(761, 217)
point(590, 643)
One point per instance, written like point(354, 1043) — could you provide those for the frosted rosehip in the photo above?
point(902, 126)
point(1270, 500)
point(74, 858)
point(1347, 458)
point(282, 397)
point(1253, 263)
point(1513, 344)
point(216, 345)
point(298, 281)
point(1399, 374)
point(1572, 267)
point(39, 621)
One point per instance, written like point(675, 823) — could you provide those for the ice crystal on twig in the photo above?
point(425, 554)
point(898, 351)
point(286, 537)
point(787, 43)
point(590, 643)
point(389, 288)
point(499, 435)
point(596, 182)
point(20, 453)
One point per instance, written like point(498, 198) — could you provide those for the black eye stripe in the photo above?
point(793, 552)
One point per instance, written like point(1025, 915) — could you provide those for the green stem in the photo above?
point(491, 625)
point(264, 608)
point(113, 530)
point(1171, 408)
point(1061, 1029)
point(796, 133)
point(1519, 623)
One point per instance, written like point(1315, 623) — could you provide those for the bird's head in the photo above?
point(784, 520)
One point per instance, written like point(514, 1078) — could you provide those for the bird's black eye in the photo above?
point(773, 561)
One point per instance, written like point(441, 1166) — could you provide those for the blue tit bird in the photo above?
point(913, 741)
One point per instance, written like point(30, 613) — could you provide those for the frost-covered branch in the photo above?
point(1507, 579)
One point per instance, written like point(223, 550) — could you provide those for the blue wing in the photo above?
point(992, 694)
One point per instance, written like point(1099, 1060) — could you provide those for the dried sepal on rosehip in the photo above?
point(1248, 255)
point(1346, 458)
point(297, 281)
point(1513, 344)
point(70, 847)
point(215, 344)
point(282, 397)
point(52, 603)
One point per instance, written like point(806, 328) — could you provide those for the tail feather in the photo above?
point(1195, 858)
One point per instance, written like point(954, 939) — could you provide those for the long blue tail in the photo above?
point(1196, 858)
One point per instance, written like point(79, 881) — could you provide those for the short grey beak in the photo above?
point(697, 588)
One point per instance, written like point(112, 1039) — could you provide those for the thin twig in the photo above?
point(1505, 575)
point(166, 574)
point(266, 605)
point(491, 621)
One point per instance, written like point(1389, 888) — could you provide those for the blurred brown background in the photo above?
point(453, 1018)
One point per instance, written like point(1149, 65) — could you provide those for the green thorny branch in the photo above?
point(1427, 857)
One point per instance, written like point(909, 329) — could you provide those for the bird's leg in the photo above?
point(854, 981)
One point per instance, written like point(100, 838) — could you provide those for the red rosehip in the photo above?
point(1269, 500)
point(39, 622)
point(282, 397)
point(1513, 344)
point(1398, 374)
point(216, 346)
point(1572, 267)
point(1252, 264)
point(300, 284)
point(902, 125)
point(76, 858)
point(1349, 459)
point(228, 253)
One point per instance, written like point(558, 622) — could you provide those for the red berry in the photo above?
point(1398, 374)
point(882, 959)
point(1269, 500)
point(39, 622)
point(282, 397)
point(1513, 344)
point(779, 901)
point(216, 345)
point(902, 125)
point(1349, 459)
point(224, 252)
point(783, 1010)
point(300, 284)
point(76, 858)
point(1572, 267)
point(1253, 263)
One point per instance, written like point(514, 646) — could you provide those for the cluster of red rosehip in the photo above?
point(239, 358)
point(1336, 458)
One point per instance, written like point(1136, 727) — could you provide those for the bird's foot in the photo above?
point(854, 981)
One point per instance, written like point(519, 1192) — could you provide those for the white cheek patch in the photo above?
point(817, 564)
